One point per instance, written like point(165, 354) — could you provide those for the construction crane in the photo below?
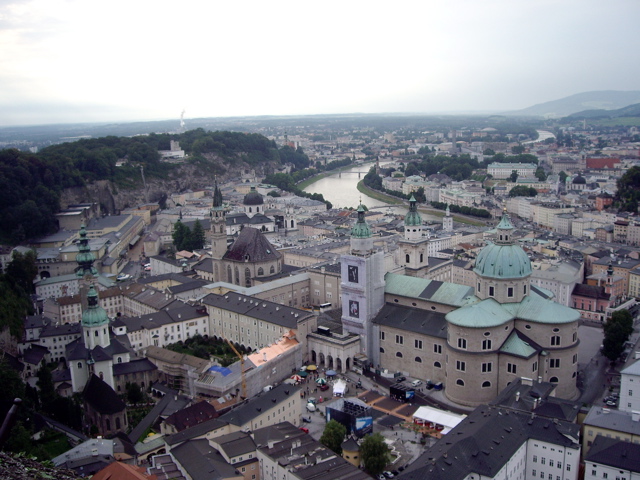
point(241, 357)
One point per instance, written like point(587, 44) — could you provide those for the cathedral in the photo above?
point(475, 340)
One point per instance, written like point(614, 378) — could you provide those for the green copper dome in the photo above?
point(503, 259)
point(361, 228)
point(412, 218)
point(94, 315)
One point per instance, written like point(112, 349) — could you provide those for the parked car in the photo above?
point(401, 378)
point(122, 277)
point(324, 387)
point(611, 403)
point(311, 407)
point(430, 385)
point(438, 386)
point(381, 477)
point(416, 383)
point(304, 429)
point(306, 419)
point(388, 474)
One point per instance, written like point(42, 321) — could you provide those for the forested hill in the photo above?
point(31, 184)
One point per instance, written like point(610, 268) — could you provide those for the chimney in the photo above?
point(635, 416)
point(264, 356)
point(517, 396)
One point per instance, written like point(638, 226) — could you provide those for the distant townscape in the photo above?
point(185, 305)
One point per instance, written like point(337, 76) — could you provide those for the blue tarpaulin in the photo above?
point(222, 370)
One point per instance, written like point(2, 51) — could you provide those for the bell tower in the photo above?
point(218, 216)
point(362, 283)
point(414, 245)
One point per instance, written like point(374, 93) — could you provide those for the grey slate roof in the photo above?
point(101, 397)
point(615, 453)
point(196, 431)
point(260, 309)
point(236, 443)
point(612, 420)
point(251, 245)
point(201, 461)
point(134, 366)
point(263, 401)
point(415, 320)
point(484, 441)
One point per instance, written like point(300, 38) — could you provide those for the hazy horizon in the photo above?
point(68, 61)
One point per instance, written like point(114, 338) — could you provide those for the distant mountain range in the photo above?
point(581, 102)
point(628, 111)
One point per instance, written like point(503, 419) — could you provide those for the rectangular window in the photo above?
point(492, 291)
point(511, 368)
point(437, 348)
point(461, 366)
point(534, 367)
point(486, 368)
point(418, 344)
point(543, 460)
point(381, 335)
point(535, 459)
point(510, 292)
point(554, 363)
point(399, 339)
point(462, 343)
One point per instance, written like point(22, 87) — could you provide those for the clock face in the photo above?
point(353, 273)
point(354, 309)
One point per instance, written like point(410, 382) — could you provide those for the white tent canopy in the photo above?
point(439, 417)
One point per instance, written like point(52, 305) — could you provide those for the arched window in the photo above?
point(553, 379)
point(418, 360)
point(215, 272)
point(421, 257)
point(399, 354)
point(95, 333)
point(272, 270)
point(247, 277)
point(406, 258)
point(437, 364)
point(292, 224)
point(250, 211)
point(119, 359)
point(486, 384)
point(117, 423)
point(80, 365)
point(237, 274)
point(229, 274)
point(101, 376)
point(260, 271)
point(381, 350)
point(460, 382)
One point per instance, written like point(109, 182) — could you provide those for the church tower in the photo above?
point(447, 221)
point(414, 245)
point(85, 270)
point(218, 226)
point(362, 283)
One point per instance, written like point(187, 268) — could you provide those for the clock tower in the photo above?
point(362, 274)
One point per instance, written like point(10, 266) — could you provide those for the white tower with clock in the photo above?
point(362, 273)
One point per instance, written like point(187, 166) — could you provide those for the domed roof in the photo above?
point(361, 228)
point(253, 198)
point(503, 259)
point(579, 180)
point(94, 315)
point(412, 218)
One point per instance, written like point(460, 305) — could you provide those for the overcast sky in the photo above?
point(77, 61)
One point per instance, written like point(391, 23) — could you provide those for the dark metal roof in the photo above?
point(252, 246)
point(615, 453)
point(101, 397)
point(256, 406)
point(413, 320)
point(260, 309)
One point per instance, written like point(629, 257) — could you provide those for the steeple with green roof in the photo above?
point(361, 228)
point(95, 322)
point(412, 218)
point(85, 258)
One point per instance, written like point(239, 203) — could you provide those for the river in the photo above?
point(341, 189)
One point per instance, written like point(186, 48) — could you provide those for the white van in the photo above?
point(416, 383)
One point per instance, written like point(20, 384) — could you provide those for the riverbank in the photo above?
point(311, 180)
point(383, 197)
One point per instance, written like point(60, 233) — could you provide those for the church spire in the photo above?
point(85, 258)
